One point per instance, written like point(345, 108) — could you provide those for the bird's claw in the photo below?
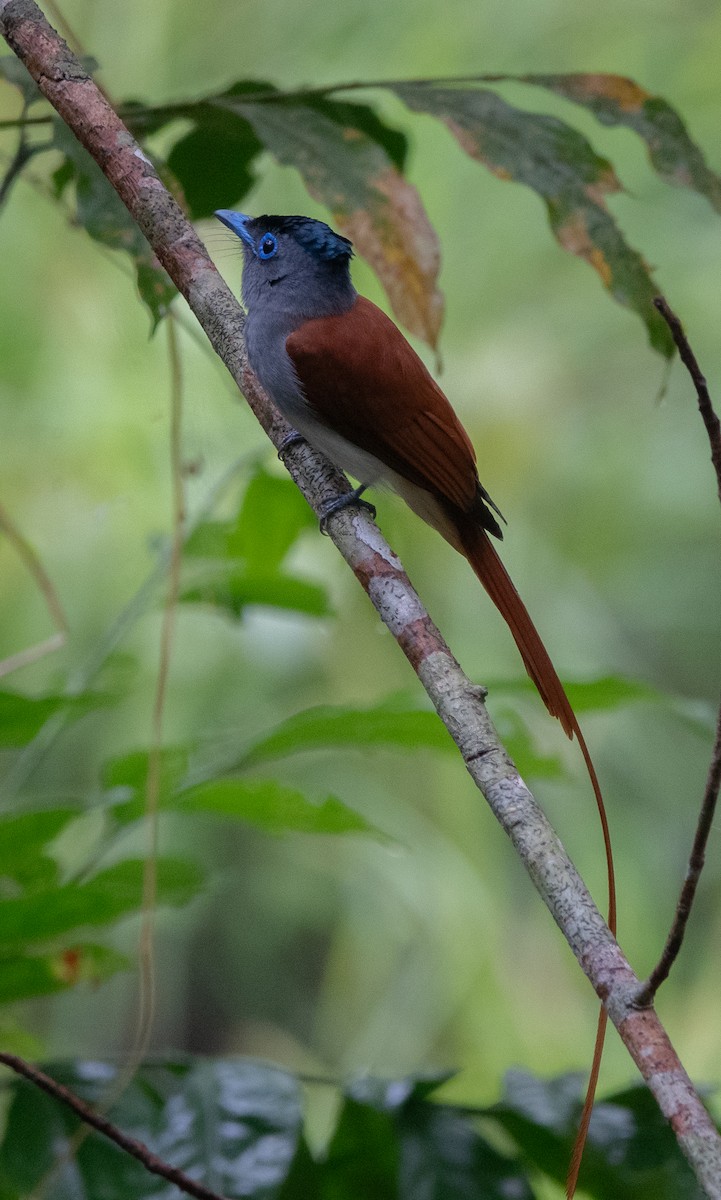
point(345, 501)
point(290, 439)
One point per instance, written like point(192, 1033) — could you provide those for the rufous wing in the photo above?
point(362, 379)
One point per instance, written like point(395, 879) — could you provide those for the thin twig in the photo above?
point(132, 1146)
point(146, 940)
point(153, 781)
point(35, 567)
point(674, 941)
point(32, 654)
point(693, 873)
point(136, 113)
point(705, 407)
point(31, 559)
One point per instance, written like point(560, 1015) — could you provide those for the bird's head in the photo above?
point(292, 264)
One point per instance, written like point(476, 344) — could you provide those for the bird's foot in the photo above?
point(290, 439)
point(345, 501)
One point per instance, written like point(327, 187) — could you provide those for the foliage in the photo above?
point(237, 1127)
point(352, 162)
point(44, 914)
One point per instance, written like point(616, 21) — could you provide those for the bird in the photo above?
point(348, 381)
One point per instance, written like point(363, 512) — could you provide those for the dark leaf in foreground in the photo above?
point(100, 900)
point(338, 150)
point(560, 165)
point(616, 100)
point(333, 726)
point(213, 163)
point(102, 213)
point(631, 1153)
point(22, 717)
point(233, 1125)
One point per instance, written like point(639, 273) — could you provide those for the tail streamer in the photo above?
point(489, 568)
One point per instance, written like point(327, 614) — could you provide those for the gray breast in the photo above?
point(270, 361)
point(272, 364)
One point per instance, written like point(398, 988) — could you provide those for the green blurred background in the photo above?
point(432, 950)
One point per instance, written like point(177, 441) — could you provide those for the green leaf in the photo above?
point(22, 717)
point(364, 118)
point(38, 975)
point(443, 1156)
point(345, 163)
point(363, 1160)
point(233, 1126)
point(99, 208)
point(250, 549)
point(616, 100)
point(391, 1095)
point(213, 162)
point(249, 1116)
point(272, 807)
point(235, 590)
point(594, 695)
point(541, 1116)
point(129, 774)
point(22, 841)
point(144, 121)
point(155, 287)
point(610, 692)
point(125, 780)
point(265, 803)
point(631, 1152)
point(271, 518)
point(395, 144)
point(305, 1179)
point(631, 1131)
point(519, 743)
point(211, 539)
point(35, 1145)
point(101, 211)
point(407, 1146)
point(560, 165)
point(104, 898)
point(329, 727)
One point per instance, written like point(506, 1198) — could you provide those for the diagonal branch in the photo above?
point(157, 1166)
point(459, 703)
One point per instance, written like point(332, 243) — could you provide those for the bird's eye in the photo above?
point(268, 246)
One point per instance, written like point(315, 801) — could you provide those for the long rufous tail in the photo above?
point(489, 568)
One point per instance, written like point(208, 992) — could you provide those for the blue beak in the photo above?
point(237, 222)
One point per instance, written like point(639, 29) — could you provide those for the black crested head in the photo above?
point(314, 236)
point(294, 267)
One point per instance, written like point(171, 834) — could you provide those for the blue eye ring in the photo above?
point(267, 246)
